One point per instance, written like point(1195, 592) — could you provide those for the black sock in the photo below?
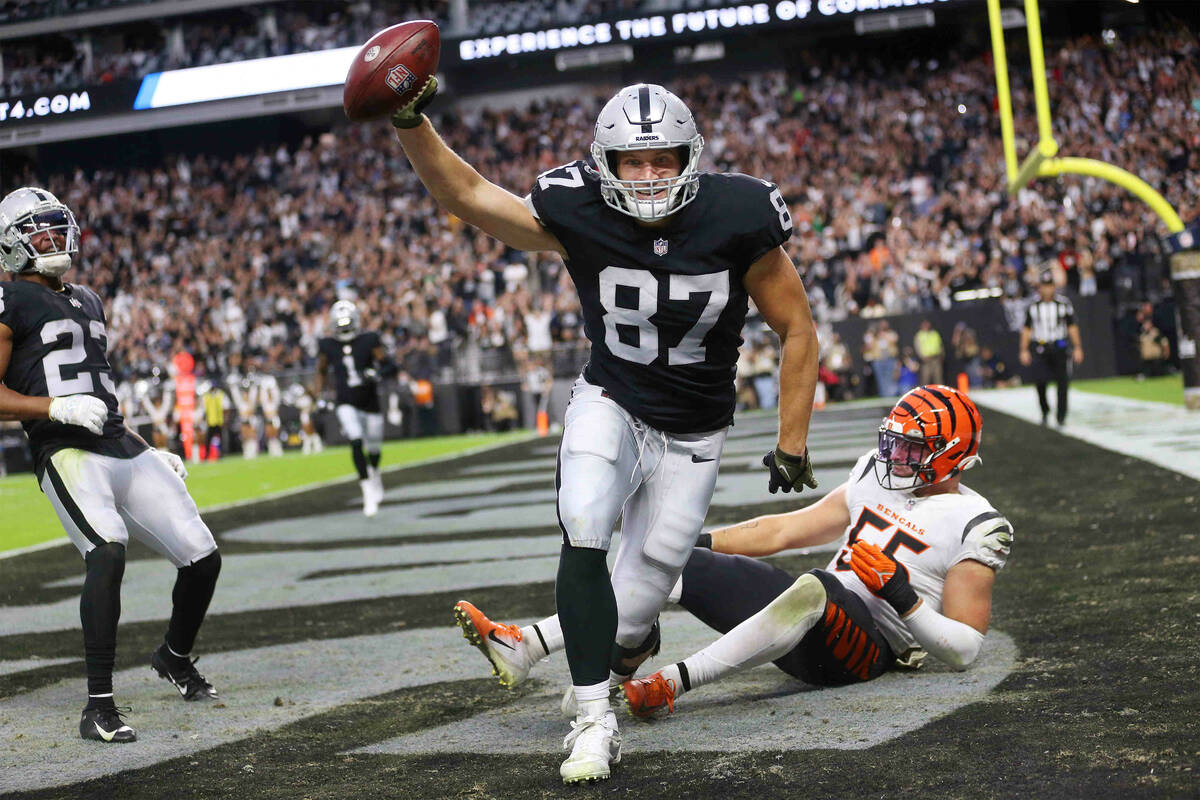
point(373, 458)
point(106, 701)
point(193, 590)
point(360, 458)
point(684, 678)
point(587, 609)
point(99, 610)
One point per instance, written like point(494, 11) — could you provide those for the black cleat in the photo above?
point(106, 725)
point(186, 678)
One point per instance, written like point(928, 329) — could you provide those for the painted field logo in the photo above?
point(660, 247)
point(401, 79)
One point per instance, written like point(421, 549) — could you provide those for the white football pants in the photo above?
point(610, 461)
point(359, 424)
point(102, 499)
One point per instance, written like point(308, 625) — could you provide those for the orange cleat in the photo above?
point(503, 645)
point(645, 697)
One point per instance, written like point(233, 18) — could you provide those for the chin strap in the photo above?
point(52, 265)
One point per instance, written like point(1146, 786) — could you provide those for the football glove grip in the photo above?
point(788, 471)
point(171, 460)
point(883, 575)
point(83, 410)
point(409, 116)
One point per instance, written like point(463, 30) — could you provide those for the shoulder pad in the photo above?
point(987, 538)
point(757, 208)
point(561, 187)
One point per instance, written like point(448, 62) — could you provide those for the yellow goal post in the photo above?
point(1042, 161)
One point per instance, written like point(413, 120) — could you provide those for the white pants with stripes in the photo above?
point(102, 499)
point(612, 464)
point(359, 424)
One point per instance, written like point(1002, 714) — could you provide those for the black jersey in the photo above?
point(350, 362)
point(60, 348)
point(664, 306)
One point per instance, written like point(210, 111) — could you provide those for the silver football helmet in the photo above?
point(27, 212)
point(646, 116)
point(344, 320)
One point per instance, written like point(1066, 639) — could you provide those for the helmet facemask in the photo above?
point(904, 462)
point(344, 320)
point(647, 117)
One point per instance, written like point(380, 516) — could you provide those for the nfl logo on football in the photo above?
point(660, 247)
point(400, 78)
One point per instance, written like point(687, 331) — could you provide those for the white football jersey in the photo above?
point(928, 535)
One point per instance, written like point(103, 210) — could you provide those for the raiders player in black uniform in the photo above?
point(664, 259)
point(359, 360)
point(104, 482)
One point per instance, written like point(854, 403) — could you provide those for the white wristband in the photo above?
point(948, 640)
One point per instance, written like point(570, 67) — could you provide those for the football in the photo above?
point(391, 69)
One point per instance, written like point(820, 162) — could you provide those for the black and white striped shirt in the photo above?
point(1048, 320)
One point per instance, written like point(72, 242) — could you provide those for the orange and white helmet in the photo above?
point(931, 434)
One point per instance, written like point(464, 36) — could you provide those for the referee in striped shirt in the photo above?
point(1050, 342)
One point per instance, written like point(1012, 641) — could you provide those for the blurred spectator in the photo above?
point(908, 371)
point(967, 353)
point(881, 347)
point(994, 371)
point(1153, 346)
point(764, 365)
point(927, 344)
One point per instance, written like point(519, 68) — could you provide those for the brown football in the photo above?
point(391, 69)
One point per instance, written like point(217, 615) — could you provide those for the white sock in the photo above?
point(589, 696)
point(764, 637)
point(673, 673)
point(543, 638)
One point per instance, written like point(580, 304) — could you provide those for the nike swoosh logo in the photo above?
point(698, 460)
point(785, 472)
point(494, 638)
point(105, 735)
point(610, 127)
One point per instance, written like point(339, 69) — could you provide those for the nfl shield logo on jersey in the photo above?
point(400, 78)
point(660, 247)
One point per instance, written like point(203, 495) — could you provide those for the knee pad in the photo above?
point(623, 657)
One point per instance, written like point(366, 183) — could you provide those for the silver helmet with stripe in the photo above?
point(345, 320)
point(38, 233)
point(646, 116)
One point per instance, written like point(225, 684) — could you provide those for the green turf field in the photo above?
point(29, 519)
point(1167, 389)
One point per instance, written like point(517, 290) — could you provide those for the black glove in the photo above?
point(410, 115)
point(788, 471)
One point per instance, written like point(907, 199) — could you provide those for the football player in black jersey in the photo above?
point(359, 360)
point(104, 482)
point(665, 259)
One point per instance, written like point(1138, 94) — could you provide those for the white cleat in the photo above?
point(595, 745)
point(503, 645)
point(370, 499)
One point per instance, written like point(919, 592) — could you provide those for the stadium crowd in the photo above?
point(894, 174)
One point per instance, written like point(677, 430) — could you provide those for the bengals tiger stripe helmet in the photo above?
point(930, 435)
